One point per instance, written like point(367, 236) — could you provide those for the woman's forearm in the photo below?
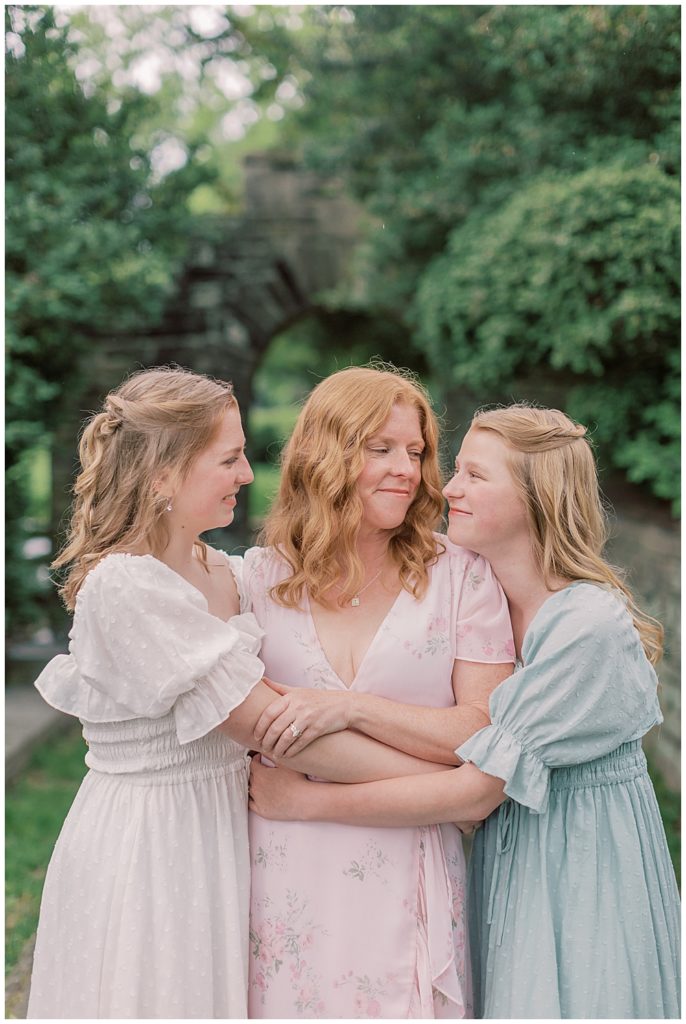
point(462, 794)
point(429, 733)
point(352, 758)
point(339, 757)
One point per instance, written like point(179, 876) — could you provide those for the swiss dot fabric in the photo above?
point(573, 904)
point(145, 904)
point(143, 644)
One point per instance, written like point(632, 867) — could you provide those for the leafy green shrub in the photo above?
point(480, 138)
point(576, 277)
point(269, 428)
point(263, 489)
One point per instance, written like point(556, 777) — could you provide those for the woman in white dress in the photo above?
point(145, 905)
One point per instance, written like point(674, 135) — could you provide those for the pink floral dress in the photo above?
point(369, 922)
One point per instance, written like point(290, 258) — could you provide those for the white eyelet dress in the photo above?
point(145, 905)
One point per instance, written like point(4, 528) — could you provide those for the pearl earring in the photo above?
point(169, 506)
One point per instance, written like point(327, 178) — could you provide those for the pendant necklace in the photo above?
point(355, 601)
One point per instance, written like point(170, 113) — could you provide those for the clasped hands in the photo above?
point(299, 716)
point(290, 723)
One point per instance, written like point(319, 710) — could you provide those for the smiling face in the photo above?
point(206, 498)
point(487, 513)
point(392, 471)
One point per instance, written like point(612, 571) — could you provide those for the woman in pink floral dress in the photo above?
point(360, 598)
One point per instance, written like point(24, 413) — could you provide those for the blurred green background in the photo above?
point(516, 169)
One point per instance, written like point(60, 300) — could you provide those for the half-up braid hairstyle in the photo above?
point(554, 468)
point(316, 516)
point(157, 421)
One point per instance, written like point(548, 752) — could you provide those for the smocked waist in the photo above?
point(626, 762)
point(142, 746)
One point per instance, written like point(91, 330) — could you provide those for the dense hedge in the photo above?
point(576, 275)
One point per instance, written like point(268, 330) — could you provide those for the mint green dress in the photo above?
point(573, 905)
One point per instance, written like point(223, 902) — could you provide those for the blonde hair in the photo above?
point(554, 468)
point(157, 421)
point(316, 516)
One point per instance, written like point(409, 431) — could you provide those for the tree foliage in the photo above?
point(217, 95)
point(579, 275)
point(122, 125)
point(521, 165)
point(92, 243)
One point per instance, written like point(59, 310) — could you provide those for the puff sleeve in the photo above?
point(143, 644)
point(585, 688)
point(481, 620)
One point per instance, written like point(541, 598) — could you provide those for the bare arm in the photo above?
point(461, 794)
point(433, 733)
point(429, 733)
point(343, 757)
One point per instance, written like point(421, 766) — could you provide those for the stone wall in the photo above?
point(650, 551)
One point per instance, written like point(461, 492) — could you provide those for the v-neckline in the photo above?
point(320, 647)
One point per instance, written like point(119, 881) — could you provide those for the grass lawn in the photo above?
point(36, 805)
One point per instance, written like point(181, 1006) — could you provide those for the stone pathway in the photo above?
point(28, 720)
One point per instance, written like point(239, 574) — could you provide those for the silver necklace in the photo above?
point(355, 601)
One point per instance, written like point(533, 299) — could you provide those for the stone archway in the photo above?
point(246, 279)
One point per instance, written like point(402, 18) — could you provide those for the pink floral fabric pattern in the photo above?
point(369, 923)
point(281, 947)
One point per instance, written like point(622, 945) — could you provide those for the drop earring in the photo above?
point(169, 506)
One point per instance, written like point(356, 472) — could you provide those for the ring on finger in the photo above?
point(295, 730)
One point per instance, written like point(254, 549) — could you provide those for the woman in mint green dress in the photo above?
point(573, 904)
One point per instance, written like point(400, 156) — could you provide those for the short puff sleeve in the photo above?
point(482, 630)
point(585, 688)
point(143, 643)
